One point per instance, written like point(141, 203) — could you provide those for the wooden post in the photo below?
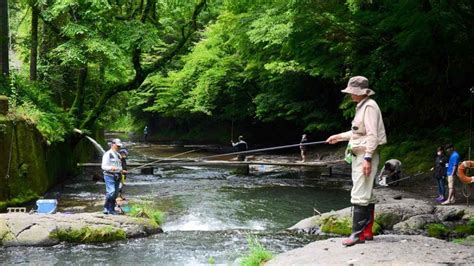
point(147, 171)
point(242, 170)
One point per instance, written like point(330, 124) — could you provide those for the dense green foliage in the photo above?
point(258, 66)
point(90, 51)
point(287, 60)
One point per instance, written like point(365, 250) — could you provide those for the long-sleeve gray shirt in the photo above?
point(111, 159)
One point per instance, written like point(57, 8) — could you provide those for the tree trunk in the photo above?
point(78, 105)
point(34, 42)
point(4, 38)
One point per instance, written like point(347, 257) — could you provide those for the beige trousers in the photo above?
point(450, 182)
point(362, 186)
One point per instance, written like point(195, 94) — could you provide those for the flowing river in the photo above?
point(211, 214)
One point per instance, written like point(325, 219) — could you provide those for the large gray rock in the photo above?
point(317, 220)
point(384, 250)
point(415, 223)
point(387, 214)
point(402, 209)
point(450, 213)
point(21, 229)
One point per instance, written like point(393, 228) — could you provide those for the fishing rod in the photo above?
point(164, 159)
point(232, 153)
point(389, 183)
point(264, 149)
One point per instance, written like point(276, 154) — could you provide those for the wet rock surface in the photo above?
point(384, 250)
point(21, 229)
point(396, 212)
point(404, 218)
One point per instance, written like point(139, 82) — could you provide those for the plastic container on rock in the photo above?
point(48, 206)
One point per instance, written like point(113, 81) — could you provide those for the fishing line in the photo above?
point(389, 183)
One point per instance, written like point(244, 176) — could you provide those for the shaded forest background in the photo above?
point(206, 71)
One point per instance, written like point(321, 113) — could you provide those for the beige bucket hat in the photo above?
point(358, 85)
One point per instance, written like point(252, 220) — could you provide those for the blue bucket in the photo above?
point(48, 206)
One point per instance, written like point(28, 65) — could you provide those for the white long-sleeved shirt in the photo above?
point(368, 130)
point(111, 159)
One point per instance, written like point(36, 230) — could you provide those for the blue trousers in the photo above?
point(111, 191)
point(441, 185)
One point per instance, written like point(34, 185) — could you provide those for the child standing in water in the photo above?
point(440, 173)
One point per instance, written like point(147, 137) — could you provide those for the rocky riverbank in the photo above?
point(397, 212)
point(405, 222)
point(21, 229)
point(384, 250)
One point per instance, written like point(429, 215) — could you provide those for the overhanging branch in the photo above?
point(140, 73)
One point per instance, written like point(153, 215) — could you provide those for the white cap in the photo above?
point(117, 142)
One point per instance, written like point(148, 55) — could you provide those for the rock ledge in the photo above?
point(21, 229)
point(384, 250)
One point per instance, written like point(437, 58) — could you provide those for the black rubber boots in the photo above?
point(360, 220)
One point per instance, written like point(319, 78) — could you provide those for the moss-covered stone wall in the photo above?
point(28, 165)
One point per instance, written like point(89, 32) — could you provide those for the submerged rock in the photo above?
point(21, 229)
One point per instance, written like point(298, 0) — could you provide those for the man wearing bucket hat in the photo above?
point(367, 132)
point(112, 166)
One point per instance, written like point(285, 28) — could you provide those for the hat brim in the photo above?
point(358, 91)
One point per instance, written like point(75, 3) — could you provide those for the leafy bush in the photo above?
point(33, 103)
point(138, 210)
point(257, 255)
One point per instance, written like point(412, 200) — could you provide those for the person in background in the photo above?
point(241, 145)
point(391, 170)
point(112, 167)
point(440, 173)
point(123, 158)
point(453, 162)
point(366, 134)
point(145, 134)
point(304, 149)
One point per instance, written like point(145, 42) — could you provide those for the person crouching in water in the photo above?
point(366, 134)
point(112, 166)
point(391, 171)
